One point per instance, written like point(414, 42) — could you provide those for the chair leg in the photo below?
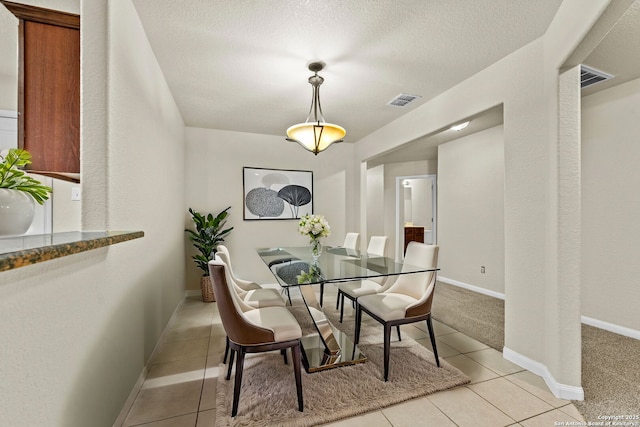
point(387, 349)
point(356, 339)
point(230, 366)
point(295, 353)
point(338, 299)
point(341, 307)
point(238, 382)
point(398, 329)
point(226, 351)
point(283, 352)
point(433, 340)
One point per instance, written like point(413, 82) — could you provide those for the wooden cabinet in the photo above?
point(413, 234)
point(48, 87)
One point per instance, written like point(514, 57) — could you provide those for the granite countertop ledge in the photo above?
point(20, 251)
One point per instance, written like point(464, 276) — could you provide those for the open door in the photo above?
point(416, 208)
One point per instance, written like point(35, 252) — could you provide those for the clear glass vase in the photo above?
point(316, 248)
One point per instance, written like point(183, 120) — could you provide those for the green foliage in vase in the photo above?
point(210, 232)
point(14, 178)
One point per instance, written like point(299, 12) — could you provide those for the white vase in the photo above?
point(16, 212)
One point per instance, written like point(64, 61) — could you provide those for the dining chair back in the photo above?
point(377, 245)
point(407, 300)
point(254, 330)
point(246, 285)
point(354, 289)
point(351, 241)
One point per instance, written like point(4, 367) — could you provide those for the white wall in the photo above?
point(77, 331)
point(8, 93)
point(375, 201)
point(611, 205)
point(215, 159)
point(471, 209)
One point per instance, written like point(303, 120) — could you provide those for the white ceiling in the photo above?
point(241, 64)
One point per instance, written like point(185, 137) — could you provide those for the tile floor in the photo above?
point(179, 390)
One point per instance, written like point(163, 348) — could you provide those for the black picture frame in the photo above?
point(276, 194)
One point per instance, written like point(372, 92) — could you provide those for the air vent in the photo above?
point(403, 100)
point(590, 76)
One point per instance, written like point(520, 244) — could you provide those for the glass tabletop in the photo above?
point(295, 266)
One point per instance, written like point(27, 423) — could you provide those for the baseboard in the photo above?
point(471, 287)
point(562, 391)
point(611, 327)
point(145, 370)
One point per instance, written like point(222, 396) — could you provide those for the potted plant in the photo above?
point(210, 232)
point(18, 191)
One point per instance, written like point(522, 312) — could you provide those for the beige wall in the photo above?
point(471, 209)
point(542, 323)
point(77, 331)
point(375, 199)
point(610, 205)
point(215, 159)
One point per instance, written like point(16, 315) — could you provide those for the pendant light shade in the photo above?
point(315, 134)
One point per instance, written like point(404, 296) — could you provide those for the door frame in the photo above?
point(400, 199)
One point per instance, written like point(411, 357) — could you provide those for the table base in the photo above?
point(315, 358)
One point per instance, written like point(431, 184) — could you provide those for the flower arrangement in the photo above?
point(314, 226)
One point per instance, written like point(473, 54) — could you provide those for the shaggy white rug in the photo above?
point(268, 394)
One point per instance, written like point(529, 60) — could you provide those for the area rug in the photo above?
point(268, 394)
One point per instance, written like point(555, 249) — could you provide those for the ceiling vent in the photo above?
point(590, 76)
point(403, 100)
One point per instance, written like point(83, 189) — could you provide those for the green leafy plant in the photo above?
point(210, 232)
point(14, 178)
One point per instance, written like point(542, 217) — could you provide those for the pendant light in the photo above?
point(315, 134)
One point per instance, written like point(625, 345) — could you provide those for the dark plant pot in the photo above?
point(207, 289)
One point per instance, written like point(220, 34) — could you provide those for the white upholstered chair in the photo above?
point(351, 241)
point(251, 293)
point(253, 330)
point(353, 290)
point(407, 300)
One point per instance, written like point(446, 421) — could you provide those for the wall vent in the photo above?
point(403, 100)
point(590, 76)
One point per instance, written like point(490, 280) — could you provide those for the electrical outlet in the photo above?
point(75, 193)
point(482, 269)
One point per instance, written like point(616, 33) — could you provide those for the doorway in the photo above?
point(416, 211)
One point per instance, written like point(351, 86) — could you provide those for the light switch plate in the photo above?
point(75, 193)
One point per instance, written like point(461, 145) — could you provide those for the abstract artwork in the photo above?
point(277, 193)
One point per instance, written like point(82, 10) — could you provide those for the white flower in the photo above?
point(314, 226)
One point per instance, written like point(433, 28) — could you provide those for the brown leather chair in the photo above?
point(408, 300)
point(254, 330)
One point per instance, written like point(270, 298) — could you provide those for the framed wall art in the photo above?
point(277, 193)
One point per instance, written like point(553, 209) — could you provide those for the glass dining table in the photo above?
point(296, 267)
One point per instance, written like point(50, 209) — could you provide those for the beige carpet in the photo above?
point(610, 362)
point(610, 375)
point(476, 315)
point(268, 395)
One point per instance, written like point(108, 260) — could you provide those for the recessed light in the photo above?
point(460, 126)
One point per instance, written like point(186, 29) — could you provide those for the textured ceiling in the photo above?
point(241, 65)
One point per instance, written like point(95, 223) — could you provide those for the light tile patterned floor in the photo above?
point(179, 390)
